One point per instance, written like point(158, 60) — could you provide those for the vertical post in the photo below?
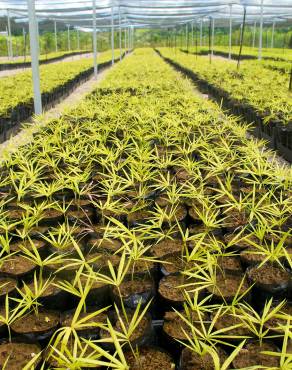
point(254, 34)
point(193, 44)
point(7, 43)
point(210, 30)
point(34, 57)
point(241, 37)
point(112, 34)
point(56, 36)
point(201, 32)
point(10, 49)
point(78, 39)
point(261, 31)
point(94, 38)
point(24, 44)
point(196, 32)
point(230, 31)
point(133, 37)
point(290, 82)
point(120, 34)
point(125, 40)
point(69, 39)
point(273, 34)
point(187, 37)
point(129, 39)
point(213, 35)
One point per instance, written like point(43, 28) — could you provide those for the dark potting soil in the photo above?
point(7, 285)
point(227, 285)
point(91, 324)
point(230, 264)
point(174, 263)
point(140, 330)
point(149, 359)
point(243, 243)
point(19, 354)
point(17, 266)
point(191, 360)
point(279, 321)
point(111, 245)
point(36, 323)
point(227, 320)
point(252, 256)
point(251, 355)
point(135, 286)
point(166, 247)
point(169, 288)
point(175, 327)
point(17, 246)
point(269, 275)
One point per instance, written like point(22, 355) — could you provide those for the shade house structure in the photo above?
point(91, 16)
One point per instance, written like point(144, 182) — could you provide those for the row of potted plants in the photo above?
point(57, 81)
point(43, 59)
point(144, 229)
point(244, 94)
point(268, 54)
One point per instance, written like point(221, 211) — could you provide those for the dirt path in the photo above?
point(27, 130)
point(11, 72)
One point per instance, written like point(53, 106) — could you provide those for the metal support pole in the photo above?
point(94, 39)
point(254, 34)
point(112, 35)
point(78, 39)
point(241, 37)
point(69, 38)
point(129, 39)
point(201, 32)
point(187, 37)
point(273, 34)
point(230, 31)
point(192, 43)
point(210, 30)
point(24, 44)
point(7, 43)
point(34, 57)
point(261, 31)
point(120, 34)
point(213, 35)
point(10, 49)
point(125, 40)
point(56, 36)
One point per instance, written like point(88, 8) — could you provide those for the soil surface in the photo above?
point(135, 286)
point(17, 266)
point(191, 360)
point(7, 285)
point(19, 355)
point(269, 275)
point(251, 356)
point(149, 359)
point(33, 323)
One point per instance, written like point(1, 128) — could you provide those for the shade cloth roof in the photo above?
point(145, 13)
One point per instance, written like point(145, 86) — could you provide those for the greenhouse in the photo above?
point(145, 184)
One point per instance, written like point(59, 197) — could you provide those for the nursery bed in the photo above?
point(276, 133)
point(17, 65)
point(137, 238)
point(22, 110)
